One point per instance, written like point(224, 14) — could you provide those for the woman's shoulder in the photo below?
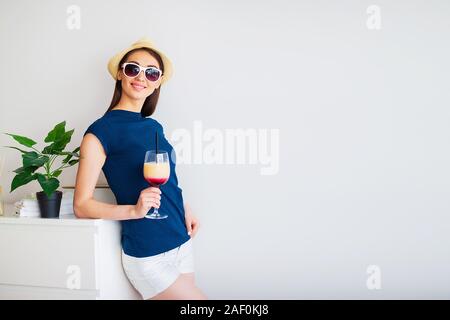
point(154, 123)
point(101, 123)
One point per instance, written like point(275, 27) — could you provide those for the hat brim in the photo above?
point(113, 64)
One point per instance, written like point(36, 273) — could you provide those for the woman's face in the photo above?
point(140, 87)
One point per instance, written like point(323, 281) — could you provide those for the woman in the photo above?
point(157, 255)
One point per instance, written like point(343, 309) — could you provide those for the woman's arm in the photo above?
point(192, 223)
point(92, 158)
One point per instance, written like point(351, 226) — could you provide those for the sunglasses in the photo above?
point(132, 70)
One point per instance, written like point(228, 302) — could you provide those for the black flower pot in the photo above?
point(49, 206)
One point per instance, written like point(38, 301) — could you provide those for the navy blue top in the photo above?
point(126, 136)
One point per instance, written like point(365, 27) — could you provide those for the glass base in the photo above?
point(156, 216)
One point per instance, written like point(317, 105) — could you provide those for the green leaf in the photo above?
point(66, 153)
point(27, 142)
point(32, 158)
point(56, 133)
point(66, 159)
point(48, 185)
point(65, 139)
point(22, 179)
point(72, 162)
point(56, 173)
point(71, 154)
point(60, 144)
point(23, 169)
point(48, 149)
point(23, 151)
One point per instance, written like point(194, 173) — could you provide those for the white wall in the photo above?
point(362, 115)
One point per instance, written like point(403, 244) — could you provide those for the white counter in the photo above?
point(65, 258)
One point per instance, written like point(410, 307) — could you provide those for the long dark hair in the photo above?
point(151, 101)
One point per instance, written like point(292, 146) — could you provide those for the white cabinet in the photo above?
point(66, 258)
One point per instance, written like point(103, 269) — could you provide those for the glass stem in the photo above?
point(155, 210)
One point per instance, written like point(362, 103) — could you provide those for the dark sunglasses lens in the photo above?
point(131, 70)
point(152, 74)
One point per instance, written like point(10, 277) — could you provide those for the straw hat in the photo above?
point(113, 64)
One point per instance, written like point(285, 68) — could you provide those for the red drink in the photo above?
point(156, 181)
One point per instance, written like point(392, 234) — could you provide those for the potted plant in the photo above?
point(49, 198)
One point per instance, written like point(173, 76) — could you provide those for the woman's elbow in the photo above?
point(78, 210)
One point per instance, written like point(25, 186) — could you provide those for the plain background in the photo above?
point(363, 118)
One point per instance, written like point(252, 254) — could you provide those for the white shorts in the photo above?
point(154, 274)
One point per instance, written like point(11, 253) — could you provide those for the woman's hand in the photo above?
point(192, 223)
point(149, 198)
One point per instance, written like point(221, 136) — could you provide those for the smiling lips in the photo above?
point(137, 86)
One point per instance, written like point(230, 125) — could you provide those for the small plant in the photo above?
point(57, 140)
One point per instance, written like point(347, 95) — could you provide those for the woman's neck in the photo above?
point(125, 103)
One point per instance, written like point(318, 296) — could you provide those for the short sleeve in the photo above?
point(100, 129)
point(159, 127)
